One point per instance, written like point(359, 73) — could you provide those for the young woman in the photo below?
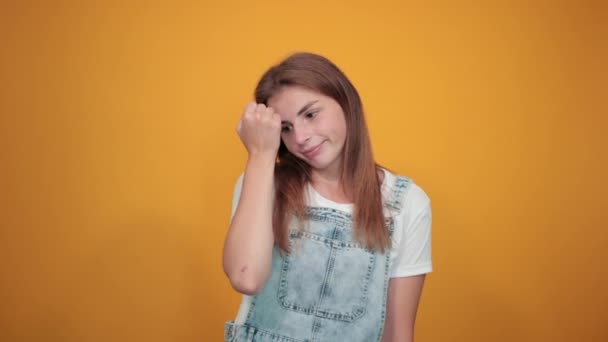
point(324, 244)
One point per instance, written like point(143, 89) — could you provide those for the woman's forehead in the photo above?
point(291, 94)
point(292, 99)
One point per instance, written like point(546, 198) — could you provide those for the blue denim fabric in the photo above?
point(330, 288)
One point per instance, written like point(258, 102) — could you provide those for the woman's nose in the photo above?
point(301, 135)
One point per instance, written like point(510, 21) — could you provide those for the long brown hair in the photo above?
point(359, 176)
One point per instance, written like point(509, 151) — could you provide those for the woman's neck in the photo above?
point(330, 187)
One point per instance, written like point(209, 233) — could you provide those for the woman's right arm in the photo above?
point(249, 241)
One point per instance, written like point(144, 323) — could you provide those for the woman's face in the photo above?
point(313, 127)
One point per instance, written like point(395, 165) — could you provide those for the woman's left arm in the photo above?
point(401, 307)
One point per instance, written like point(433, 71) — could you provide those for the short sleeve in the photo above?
point(411, 252)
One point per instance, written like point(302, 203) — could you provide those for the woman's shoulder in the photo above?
point(408, 192)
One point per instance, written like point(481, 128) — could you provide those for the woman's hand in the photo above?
point(260, 130)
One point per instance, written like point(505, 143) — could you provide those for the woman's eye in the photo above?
point(311, 115)
point(285, 129)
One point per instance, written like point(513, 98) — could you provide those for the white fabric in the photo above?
point(411, 251)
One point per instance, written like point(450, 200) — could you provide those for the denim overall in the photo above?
point(330, 288)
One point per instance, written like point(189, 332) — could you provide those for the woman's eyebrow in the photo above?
point(306, 106)
point(304, 109)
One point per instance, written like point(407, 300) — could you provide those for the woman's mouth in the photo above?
point(313, 151)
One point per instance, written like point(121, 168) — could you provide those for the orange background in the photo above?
point(119, 156)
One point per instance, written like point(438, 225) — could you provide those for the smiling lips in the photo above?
point(313, 151)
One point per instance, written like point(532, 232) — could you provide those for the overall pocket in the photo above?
point(325, 277)
point(246, 333)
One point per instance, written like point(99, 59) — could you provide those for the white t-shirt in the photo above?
point(411, 250)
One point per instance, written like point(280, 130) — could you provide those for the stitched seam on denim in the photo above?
point(328, 273)
point(385, 296)
point(328, 215)
point(328, 241)
point(255, 331)
point(400, 186)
